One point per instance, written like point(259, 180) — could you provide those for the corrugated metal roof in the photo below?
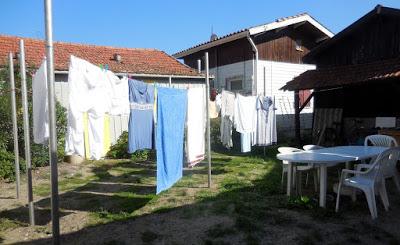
point(345, 75)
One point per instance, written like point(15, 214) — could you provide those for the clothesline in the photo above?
point(95, 91)
point(252, 116)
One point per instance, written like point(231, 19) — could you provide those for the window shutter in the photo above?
point(304, 94)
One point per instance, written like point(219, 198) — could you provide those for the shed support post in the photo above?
point(297, 116)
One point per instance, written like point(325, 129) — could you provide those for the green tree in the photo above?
point(40, 153)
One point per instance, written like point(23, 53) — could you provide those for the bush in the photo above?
point(7, 170)
point(120, 151)
point(40, 153)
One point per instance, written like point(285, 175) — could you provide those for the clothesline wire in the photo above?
point(170, 85)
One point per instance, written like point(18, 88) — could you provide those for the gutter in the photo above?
point(255, 67)
point(202, 76)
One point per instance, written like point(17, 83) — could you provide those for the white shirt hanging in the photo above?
point(40, 105)
point(245, 118)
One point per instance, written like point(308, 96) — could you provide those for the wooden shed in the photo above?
point(358, 74)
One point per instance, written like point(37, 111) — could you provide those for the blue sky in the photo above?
point(169, 25)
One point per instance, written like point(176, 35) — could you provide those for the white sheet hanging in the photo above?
point(119, 93)
point(40, 105)
point(95, 91)
point(245, 113)
point(195, 121)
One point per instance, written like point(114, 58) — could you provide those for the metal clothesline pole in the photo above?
point(52, 123)
point(199, 66)
point(208, 118)
point(26, 131)
point(14, 122)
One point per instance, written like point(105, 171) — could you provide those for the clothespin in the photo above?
point(106, 67)
point(101, 66)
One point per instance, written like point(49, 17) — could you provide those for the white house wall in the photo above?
point(271, 77)
point(222, 73)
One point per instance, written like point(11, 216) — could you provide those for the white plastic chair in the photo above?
point(312, 147)
point(369, 180)
point(389, 171)
point(299, 169)
point(380, 140)
point(316, 175)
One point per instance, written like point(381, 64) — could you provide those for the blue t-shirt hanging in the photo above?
point(141, 125)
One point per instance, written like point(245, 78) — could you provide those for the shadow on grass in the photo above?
point(20, 215)
point(249, 206)
point(107, 193)
point(252, 205)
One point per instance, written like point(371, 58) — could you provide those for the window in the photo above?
point(299, 45)
point(235, 83)
point(304, 94)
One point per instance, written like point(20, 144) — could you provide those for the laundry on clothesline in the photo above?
point(213, 109)
point(265, 133)
point(141, 123)
point(157, 117)
point(93, 93)
point(227, 114)
point(171, 116)
point(40, 105)
point(245, 142)
point(245, 114)
point(252, 116)
point(195, 125)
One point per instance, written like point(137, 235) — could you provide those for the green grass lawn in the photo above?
point(237, 180)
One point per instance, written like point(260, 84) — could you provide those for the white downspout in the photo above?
point(255, 67)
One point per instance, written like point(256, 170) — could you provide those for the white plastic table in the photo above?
point(327, 157)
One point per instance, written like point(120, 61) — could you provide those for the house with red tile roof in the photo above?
point(135, 61)
point(149, 65)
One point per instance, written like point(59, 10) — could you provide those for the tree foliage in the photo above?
point(39, 153)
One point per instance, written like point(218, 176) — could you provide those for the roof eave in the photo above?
point(227, 39)
point(256, 30)
point(289, 22)
point(198, 76)
point(379, 9)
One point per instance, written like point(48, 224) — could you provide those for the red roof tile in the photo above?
point(133, 60)
point(345, 75)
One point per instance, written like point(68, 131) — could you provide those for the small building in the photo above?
point(261, 59)
point(149, 65)
point(358, 73)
